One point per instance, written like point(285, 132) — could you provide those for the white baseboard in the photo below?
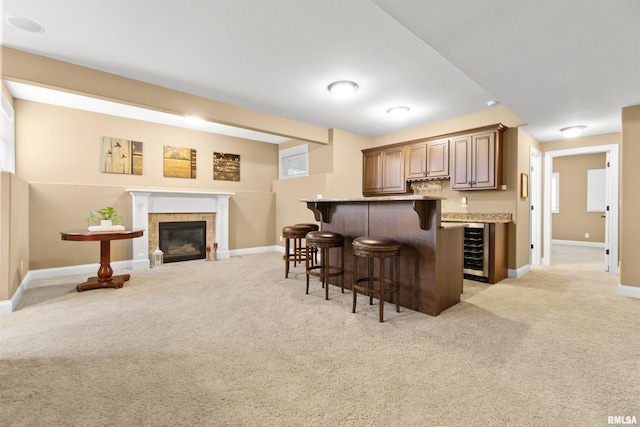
point(516, 274)
point(256, 250)
point(578, 243)
point(629, 291)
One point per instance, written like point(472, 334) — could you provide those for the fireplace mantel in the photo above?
point(146, 201)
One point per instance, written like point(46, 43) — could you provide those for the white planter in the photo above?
point(105, 223)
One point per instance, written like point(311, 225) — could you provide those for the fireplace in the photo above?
point(150, 205)
point(183, 240)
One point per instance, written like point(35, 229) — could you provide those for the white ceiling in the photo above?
point(554, 63)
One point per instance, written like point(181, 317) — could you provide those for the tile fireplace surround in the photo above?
point(147, 202)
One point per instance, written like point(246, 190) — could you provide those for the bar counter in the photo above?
point(431, 256)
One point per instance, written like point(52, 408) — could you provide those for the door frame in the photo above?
point(612, 194)
point(535, 206)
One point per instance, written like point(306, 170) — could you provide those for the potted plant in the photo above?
point(108, 218)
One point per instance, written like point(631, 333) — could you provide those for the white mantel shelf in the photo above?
point(146, 201)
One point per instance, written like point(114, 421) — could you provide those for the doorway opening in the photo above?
point(611, 197)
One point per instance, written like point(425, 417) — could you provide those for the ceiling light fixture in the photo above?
point(398, 111)
point(26, 24)
point(492, 103)
point(342, 89)
point(572, 131)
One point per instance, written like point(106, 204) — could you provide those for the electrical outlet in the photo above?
point(586, 235)
point(21, 266)
point(281, 238)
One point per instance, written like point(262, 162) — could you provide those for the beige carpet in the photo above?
point(233, 343)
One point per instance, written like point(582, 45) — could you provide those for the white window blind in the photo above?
point(294, 162)
point(7, 137)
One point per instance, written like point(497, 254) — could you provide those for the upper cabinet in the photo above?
point(472, 159)
point(427, 159)
point(476, 160)
point(383, 171)
point(438, 158)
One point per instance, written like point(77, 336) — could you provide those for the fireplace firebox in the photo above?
point(183, 240)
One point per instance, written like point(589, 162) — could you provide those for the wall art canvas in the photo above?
point(121, 156)
point(226, 167)
point(179, 162)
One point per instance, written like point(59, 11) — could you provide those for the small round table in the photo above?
point(105, 278)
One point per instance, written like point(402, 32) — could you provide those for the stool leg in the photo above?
point(325, 272)
point(342, 268)
point(381, 294)
point(355, 280)
point(287, 247)
point(370, 281)
point(307, 269)
point(397, 284)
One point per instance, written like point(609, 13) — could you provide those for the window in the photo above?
point(555, 192)
point(7, 135)
point(294, 162)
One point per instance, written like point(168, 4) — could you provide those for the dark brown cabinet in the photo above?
point(476, 161)
point(471, 159)
point(438, 158)
point(427, 159)
point(383, 171)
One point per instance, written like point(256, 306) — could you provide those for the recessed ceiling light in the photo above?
point(572, 131)
point(398, 111)
point(342, 89)
point(26, 24)
point(492, 103)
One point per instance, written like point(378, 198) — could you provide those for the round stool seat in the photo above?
point(328, 237)
point(295, 234)
point(314, 227)
point(295, 230)
point(380, 246)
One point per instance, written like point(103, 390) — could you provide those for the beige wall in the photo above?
point(573, 220)
point(629, 201)
point(58, 152)
point(14, 229)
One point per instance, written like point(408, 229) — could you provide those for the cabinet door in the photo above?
point(393, 180)
point(372, 172)
point(461, 162)
point(438, 159)
point(484, 160)
point(416, 160)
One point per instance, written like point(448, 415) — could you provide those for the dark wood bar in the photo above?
point(431, 258)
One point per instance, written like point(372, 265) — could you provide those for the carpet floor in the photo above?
point(234, 343)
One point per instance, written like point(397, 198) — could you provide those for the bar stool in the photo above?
point(294, 233)
point(314, 227)
point(324, 241)
point(381, 248)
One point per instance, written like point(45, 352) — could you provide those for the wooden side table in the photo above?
point(105, 278)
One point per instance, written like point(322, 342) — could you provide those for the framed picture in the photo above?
point(121, 156)
point(226, 167)
point(524, 185)
point(179, 162)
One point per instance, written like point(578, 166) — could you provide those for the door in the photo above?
point(461, 162)
point(438, 159)
point(484, 161)
point(372, 171)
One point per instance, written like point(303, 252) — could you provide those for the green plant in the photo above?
point(108, 213)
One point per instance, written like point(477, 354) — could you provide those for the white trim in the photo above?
point(578, 243)
point(629, 291)
point(535, 201)
point(516, 274)
point(256, 250)
point(612, 190)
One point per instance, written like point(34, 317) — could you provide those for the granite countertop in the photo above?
point(476, 217)
point(376, 199)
